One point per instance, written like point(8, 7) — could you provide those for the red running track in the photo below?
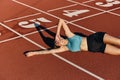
point(15, 40)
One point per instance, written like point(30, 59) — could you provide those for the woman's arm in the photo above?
point(58, 50)
point(61, 24)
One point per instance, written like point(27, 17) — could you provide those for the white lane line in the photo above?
point(21, 17)
point(107, 11)
point(88, 1)
point(114, 9)
point(88, 72)
point(61, 58)
point(115, 14)
point(10, 39)
point(90, 16)
point(62, 7)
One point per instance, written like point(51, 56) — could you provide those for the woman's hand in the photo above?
point(57, 38)
point(29, 54)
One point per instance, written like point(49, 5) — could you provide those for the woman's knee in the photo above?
point(111, 39)
point(112, 50)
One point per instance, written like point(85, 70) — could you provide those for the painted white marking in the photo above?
point(71, 13)
point(109, 3)
point(116, 2)
point(88, 1)
point(93, 15)
point(10, 39)
point(42, 19)
point(21, 17)
point(28, 24)
point(62, 8)
point(110, 0)
point(103, 5)
point(56, 54)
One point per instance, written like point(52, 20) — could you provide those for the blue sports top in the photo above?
point(74, 43)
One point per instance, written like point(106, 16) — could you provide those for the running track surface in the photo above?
point(15, 39)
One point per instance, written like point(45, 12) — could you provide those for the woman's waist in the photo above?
point(84, 46)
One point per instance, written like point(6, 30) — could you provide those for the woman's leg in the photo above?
point(111, 40)
point(112, 50)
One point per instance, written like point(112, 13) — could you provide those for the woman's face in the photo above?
point(61, 42)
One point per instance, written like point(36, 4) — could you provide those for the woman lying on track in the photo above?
point(96, 42)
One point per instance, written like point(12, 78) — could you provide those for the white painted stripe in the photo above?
point(10, 39)
point(93, 15)
point(21, 17)
point(57, 18)
point(117, 8)
point(82, 27)
point(115, 14)
point(88, 1)
point(62, 8)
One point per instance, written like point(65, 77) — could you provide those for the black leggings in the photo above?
point(95, 42)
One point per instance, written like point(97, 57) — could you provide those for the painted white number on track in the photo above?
point(71, 13)
point(109, 3)
point(31, 23)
